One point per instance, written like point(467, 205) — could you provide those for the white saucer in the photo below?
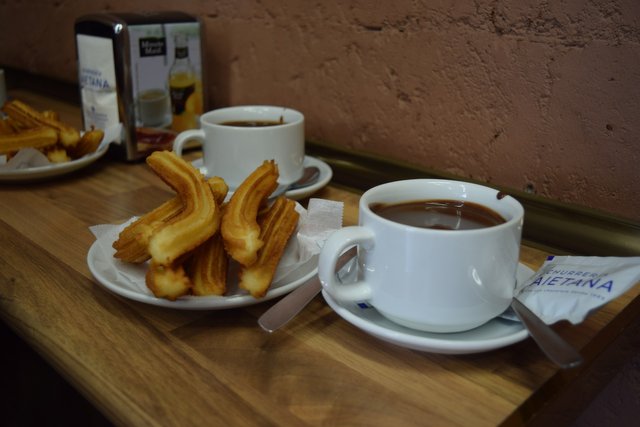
point(111, 135)
point(99, 265)
point(53, 169)
point(494, 334)
point(325, 176)
point(296, 267)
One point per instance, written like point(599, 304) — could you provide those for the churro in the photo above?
point(168, 281)
point(219, 188)
point(29, 117)
point(277, 225)
point(57, 155)
point(133, 241)
point(240, 230)
point(180, 237)
point(50, 114)
point(207, 268)
point(40, 137)
point(195, 223)
point(88, 143)
point(6, 128)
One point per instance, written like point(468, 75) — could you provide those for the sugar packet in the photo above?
point(571, 287)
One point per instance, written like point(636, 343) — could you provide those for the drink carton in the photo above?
point(143, 71)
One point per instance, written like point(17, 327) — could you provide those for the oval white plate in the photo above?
point(118, 285)
point(326, 173)
point(494, 334)
point(52, 170)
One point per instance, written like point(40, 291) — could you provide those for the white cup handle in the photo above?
point(335, 245)
point(185, 136)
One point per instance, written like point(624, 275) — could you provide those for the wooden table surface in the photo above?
point(144, 365)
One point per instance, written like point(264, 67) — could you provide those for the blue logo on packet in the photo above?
point(574, 278)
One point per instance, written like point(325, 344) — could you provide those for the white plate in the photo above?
point(52, 170)
point(97, 260)
point(494, 334)
point(325, 176)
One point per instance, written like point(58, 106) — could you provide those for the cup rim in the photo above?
point(516, 218)
point(298, 116)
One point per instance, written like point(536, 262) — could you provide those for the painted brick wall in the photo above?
point(535, 95)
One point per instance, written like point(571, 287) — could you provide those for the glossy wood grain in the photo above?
point(145, 365)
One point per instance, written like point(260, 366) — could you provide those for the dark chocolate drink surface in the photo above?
point(439, 214)
point(252, 123)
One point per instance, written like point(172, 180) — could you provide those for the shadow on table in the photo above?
point(34, 394)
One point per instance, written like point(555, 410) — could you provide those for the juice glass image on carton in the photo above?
point(154, 107)
point(185, 88)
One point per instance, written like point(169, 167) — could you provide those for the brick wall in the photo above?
point(542, 96)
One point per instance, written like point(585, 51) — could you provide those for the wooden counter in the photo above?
point(145, 365)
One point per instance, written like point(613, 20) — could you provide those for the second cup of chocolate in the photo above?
point(433, 255)
point(236, 140)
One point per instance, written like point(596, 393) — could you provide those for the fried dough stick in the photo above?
point(173, 281)
point(195, 223)
point(276, 225)
point(88, 143)
point(132, 243)
point(40, 137)
point(57, 155)
point(207, 267)
point(6, 128)
point(219, 189)
point(29, 117)
point(172, 242)
point(240, 230)
point(168, 282)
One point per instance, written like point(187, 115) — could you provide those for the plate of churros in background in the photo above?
point(50, 170)
point(36, 144)
point(205, 249)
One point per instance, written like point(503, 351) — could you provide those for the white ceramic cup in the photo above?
point(233, 152)
point(429, 279)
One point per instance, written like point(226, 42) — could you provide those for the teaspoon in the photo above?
point(309, 176)
point(289, 306)
point(551, 344)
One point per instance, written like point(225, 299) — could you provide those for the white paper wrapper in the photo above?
point(321, 219)
point(25, 158)
point(571, 287)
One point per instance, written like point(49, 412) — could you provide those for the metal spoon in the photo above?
point(289, 306)
point(551, 344)
point(309, 176)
